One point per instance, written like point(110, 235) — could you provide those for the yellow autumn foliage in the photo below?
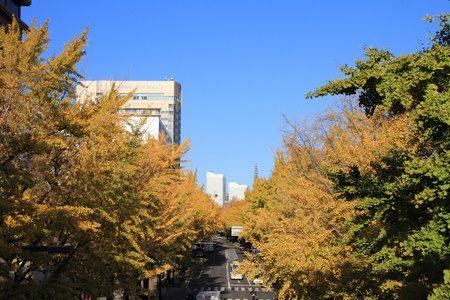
point(70, 174)
point(294, 217)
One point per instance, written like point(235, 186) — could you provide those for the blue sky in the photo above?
point(241, 63)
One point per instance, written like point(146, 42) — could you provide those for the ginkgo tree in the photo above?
point(297, 219)
point(356, 206)
point(71, 174)
point(403, 213)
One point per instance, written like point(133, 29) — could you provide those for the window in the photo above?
point(154, 96)
point(132, 111)
point(14, 8)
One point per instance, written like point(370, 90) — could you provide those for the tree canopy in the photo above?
point(402, 224)
point(357, 204)
point(71, 174)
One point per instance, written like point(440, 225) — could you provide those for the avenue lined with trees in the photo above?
point(356, 207)
point(70, 174)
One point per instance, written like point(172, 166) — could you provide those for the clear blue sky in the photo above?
point(241, 63)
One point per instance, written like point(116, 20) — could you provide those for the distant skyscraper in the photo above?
point(159, 98)
point(255, 171)
point(216, 187)
point(236, 191)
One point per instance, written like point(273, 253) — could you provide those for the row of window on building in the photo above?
point(154, 96)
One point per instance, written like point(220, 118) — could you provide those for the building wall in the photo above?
point(152, 127)
point(165, 96)
point(236, 191)
point(216, 187)
point(8, 8)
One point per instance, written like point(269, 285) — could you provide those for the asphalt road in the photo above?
point(214, 275)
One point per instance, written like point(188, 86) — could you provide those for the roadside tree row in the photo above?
point(71, 174)
point(357, 205)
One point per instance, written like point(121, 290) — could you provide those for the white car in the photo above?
point(257, 280)
point(234, 274)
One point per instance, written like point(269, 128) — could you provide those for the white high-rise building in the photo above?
point(151, 127)
point(160, 99)
point(236, 191)
point(216, 187)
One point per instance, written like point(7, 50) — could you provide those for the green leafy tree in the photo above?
point(402, 224)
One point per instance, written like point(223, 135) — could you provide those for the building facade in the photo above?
point(216, 187)
point(8, 8)
point(150, 126)
point(236, 191)
point(160, 98)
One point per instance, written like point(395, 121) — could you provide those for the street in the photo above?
point(214, 275)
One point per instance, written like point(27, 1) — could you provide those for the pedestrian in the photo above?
point(254, 294)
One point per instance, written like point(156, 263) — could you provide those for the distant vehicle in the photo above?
point(208, 295)
point(257, 280)
point(234, 274)
point(209, 246)
point(255, 251)
point(205, 246)
point(242, 247)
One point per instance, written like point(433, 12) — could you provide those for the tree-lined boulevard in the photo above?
point(357, 204)
point(214, 275)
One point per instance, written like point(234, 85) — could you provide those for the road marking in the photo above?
point(201, 272)
point(228, 274)
point(231, 254)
